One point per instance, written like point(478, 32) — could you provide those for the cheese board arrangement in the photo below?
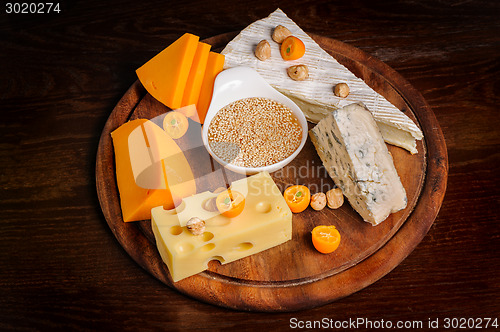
point(223, 170)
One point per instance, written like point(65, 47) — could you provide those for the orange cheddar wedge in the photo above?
point(136, 202)
point(158, 162)
point(214, 67)
point(195, 78)
point(165, 76)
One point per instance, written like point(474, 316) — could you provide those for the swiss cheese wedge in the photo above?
point(265, 222)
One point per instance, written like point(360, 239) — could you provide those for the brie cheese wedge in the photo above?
point(353, 152)
point(315, 95)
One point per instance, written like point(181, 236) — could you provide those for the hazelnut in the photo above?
point(335, 198)
point(263, 50)
point(298, 73)
point(341, 90)
point(196, 226)
point(318, 201)
point(280, 33)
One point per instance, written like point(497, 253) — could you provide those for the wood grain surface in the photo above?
point(62, 74)
point(294, 275)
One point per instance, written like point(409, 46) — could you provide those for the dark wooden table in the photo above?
point(61, 75)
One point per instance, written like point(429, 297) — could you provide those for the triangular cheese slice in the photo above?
point(165, 76)
point(136, 202)
point(315, 95)
point(214, 67)
point(195, 78)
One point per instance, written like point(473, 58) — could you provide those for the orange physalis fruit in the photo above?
point(326, 239)
point(175, 124)
point(230, 203)
point(292, 48)
point(297, 197)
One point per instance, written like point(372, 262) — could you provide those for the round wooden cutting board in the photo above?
point(294, 275)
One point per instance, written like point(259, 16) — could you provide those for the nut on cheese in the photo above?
point(142, 145)
point(265, 222)
point(353, 152)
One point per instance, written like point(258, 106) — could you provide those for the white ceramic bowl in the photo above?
point(243, 82)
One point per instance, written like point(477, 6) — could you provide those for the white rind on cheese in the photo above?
point(315, 95)
point(353, 152)
point(397, 137)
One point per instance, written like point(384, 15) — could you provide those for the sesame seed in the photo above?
point(254, 132)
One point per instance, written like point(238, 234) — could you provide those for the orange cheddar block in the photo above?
point(136, 202)
point(214, 67)
point(195, 78)
point(165, 75)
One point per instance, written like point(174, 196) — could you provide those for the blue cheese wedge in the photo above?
point(353, 152)
point(315, 95)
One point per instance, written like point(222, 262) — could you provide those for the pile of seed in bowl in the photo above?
point(254, 132)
